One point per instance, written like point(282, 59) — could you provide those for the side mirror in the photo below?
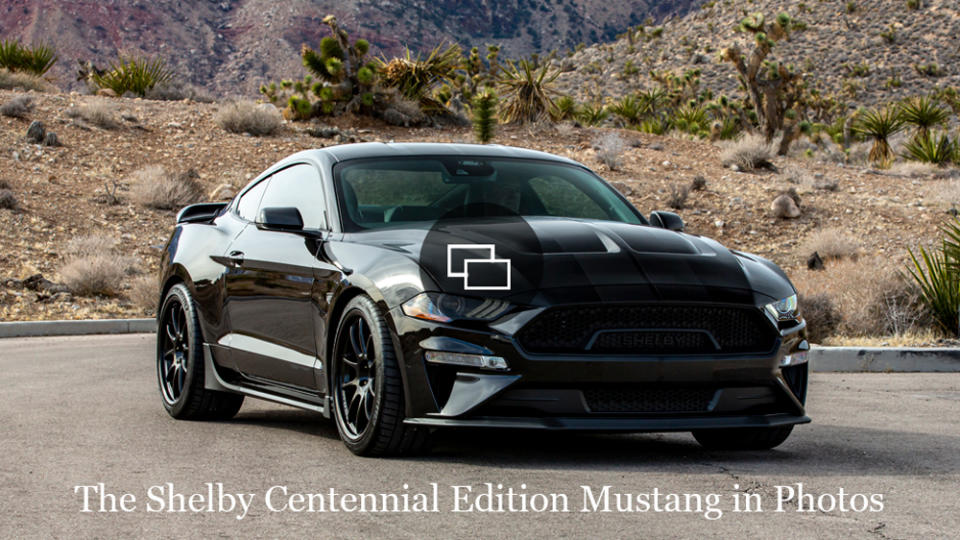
point(667, 220)
point(280, 218)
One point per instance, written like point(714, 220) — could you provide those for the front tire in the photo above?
point(742, 438)
point(368, 404)
point(180, 369)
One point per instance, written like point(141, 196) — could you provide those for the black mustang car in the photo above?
point(402, 288)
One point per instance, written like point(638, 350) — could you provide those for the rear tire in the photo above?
point(742, 438)
point(368, 403)
point(180, 365)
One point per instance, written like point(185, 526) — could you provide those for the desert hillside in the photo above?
point(862, 51)
point(863, 218)
point(229, 47)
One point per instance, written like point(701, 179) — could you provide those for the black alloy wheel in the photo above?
point(357, 377)
point(175, 348)
point(180, 363)
point(366, 386)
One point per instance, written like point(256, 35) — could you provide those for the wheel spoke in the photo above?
point(182, 324)
point(368, 403)
point(362, 337)
point(181, 373)
point(171, 333)
point(355, 343)
point(173, 321)
point(351, 383)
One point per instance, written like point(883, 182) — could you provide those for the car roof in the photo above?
point(345, 152)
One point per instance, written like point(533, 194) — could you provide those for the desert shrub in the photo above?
point(154, 187)
point(8, 200)
point(144, 293)
point(35, 60)
point(822, 316)
point(928, 147)
point(136, 75)
point(527, 91)
point(485, 116)
point(678, 196)
point(566, 108)
point(592, 114)
point(416, 77)
point(102, 115)
point(628, 110)
point(883, 305)
point(937, 273)
point(610, 150)
point(249, 117)
point(17, 107)
point(92, 266)
point(748, 152)
point(10, 80)
point(831, 243)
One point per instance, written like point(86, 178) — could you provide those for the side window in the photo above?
point(298, 186)
point(561, 198)
point(250, 201)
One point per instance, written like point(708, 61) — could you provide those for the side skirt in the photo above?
point(213, 381)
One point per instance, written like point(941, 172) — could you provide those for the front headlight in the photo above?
point(442, 307)
point(784, 310)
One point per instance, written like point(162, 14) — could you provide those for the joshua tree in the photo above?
point(879, 125)
point(342, 75)
point(923, 113)
point(775, 90)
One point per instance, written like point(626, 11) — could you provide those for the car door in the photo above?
point(275, 279)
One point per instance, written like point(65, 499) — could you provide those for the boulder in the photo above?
point(785, 207)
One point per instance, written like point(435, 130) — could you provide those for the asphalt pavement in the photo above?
point(880, 460)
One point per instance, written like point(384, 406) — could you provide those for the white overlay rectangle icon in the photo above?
point(487, 264)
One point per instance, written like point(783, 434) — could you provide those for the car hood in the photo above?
point(558, 260)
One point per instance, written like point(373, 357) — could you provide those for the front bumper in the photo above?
point(567, 392)
point(615, 424)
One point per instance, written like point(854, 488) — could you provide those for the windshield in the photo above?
point(390, 191)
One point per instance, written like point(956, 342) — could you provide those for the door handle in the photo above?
point(236, 258)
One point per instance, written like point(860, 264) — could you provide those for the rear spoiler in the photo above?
point(201, 213)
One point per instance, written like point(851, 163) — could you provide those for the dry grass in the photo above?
point(249, 117)
point(917, 169)
point(871, 294)
point(102, 115)
point(17, 107)
point(154, 187)
point(144, 293)
point(822, 316)
point(944, 193)
point(750, 151)
point(94, 244)
point(22, 81)
point(610, 150)
point(908, 339)
point(832, 243)
point(92, 266)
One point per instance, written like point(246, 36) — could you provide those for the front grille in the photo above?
point(648, 400)
point(648, 329)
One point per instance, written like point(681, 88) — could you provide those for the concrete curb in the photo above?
point(884, 359)
point(75, 328)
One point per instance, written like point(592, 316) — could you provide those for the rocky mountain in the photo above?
point(232, 46)
point(865, 51)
